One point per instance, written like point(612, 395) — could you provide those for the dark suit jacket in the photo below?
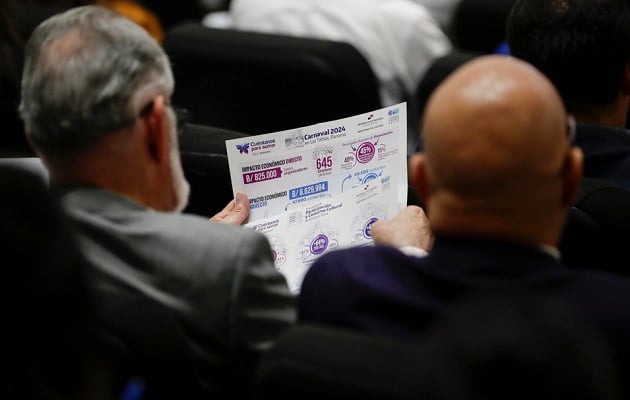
point(606, 152)
point(382, 291)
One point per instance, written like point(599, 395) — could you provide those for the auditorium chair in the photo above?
point(259, 83)
point(205, 164)
point(320, 362)
point(479, 25)
point(596, 232)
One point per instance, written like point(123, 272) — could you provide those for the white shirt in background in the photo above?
point(441, 10)
point(399, 38)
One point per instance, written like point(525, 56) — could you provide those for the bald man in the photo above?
point(497, 175)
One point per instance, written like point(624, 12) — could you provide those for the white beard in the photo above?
point(181, 187)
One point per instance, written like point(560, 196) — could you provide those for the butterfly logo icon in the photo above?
point(243, 148)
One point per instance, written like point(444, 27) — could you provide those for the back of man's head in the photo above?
point(582, 46)
point(497, 160)
point(87, 72)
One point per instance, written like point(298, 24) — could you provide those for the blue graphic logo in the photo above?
point(243, 148)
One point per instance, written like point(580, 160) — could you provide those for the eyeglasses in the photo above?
point(182, 115)
point(571, 129)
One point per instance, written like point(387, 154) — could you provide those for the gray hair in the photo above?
point(86, 73)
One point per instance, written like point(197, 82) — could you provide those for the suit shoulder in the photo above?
point(360, 261)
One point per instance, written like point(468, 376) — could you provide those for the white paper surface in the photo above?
point(318, 188)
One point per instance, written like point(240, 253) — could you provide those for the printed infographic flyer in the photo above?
point(287, 173)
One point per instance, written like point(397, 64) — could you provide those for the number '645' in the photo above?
point(324, 162)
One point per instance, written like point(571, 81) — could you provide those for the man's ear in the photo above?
point(417, 176)
point(572, 175)
point(158, 138)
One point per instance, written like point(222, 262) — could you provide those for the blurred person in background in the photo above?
point(583, 47)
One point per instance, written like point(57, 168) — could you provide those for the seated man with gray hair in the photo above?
point(96, 95)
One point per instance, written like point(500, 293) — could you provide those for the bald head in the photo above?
point(495, 146)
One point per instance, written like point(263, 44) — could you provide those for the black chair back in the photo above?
point(317, 362)
point(259, 83)
point(596, 232)
point(205, 164)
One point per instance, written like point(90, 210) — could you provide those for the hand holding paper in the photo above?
point(236, 211)
point(409, 228)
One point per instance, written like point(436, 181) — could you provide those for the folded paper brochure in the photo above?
point(318, 188)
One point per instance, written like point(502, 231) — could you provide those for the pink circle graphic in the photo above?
point(365, 152)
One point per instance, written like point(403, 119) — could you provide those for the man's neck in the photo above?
point(126, 177)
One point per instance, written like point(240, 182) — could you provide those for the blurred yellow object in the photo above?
point(138, 14)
